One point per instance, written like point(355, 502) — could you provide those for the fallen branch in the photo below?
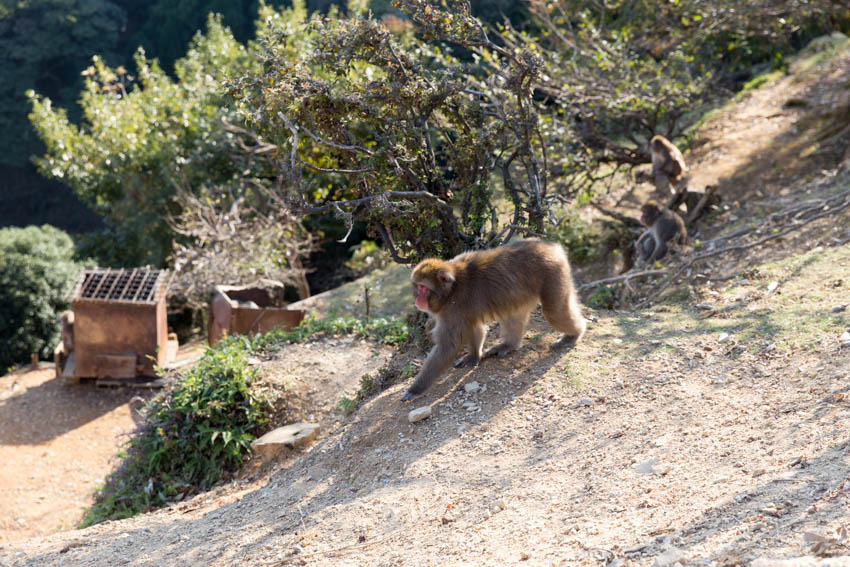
point(627, 220)
point(621, 278)
point(740, 247)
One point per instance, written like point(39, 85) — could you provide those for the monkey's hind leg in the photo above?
point(475, 342)
point(511, 330)
point(563, 311)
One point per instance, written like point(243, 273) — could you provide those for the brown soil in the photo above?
point(665, 436)
point(57, 442)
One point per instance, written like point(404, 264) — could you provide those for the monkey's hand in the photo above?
point(470, 359)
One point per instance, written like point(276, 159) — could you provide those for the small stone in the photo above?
point(646, 467)
point(840, 308)
point(723, 337)
point(471, 387)
point(617, 341)
point(845, 338)
point(524, 556)
point(253, 361)
point(290, 436)
point(668, 558)
point(771, 287)
point(584, 402)
point(419, 414)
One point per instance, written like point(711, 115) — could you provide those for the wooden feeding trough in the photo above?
point(250, 310)
point(119, 325)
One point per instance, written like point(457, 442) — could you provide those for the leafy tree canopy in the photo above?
point(140, 139)
point(619, 72)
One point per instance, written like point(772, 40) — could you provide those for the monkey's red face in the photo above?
point(422, 297)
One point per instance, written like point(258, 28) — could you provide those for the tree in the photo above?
point(44, 44)
point(618, 73)
point(397, 132)
point(37, 274)
point(142, 138)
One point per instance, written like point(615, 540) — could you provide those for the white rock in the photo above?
point(723, 337)
point(419, 414)
point(845, 338)
point(471, 387)
point(668, 558)
point(771, 287)
point(289, 436)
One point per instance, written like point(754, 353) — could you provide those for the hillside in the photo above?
point(706, 430)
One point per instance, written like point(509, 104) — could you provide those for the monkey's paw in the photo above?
point(500, 350)
point(567, 341)
point(408, 395)
point(468, 360)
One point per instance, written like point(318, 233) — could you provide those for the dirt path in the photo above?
point(57, 442)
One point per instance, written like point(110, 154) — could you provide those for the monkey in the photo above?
point(66, 330)
point(668, 165)
point(663, 225)
point(503, 284)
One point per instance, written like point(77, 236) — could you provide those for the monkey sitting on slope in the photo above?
point(668, 165)
point(663, 226)
point(503, 284)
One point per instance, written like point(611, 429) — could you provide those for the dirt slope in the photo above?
point(666, 435)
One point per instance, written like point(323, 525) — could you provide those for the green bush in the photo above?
point(37, 274)
point(200, 430)
point(192, 436)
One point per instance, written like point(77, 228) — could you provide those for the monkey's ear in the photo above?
point(446, 276)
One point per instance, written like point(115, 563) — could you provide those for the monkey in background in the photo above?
point(503, 284)
point(668, 165)
point(66, 330)
point(663, 225)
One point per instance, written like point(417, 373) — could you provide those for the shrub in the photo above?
point(192, 436)
point(37, 274)
point(201, 429)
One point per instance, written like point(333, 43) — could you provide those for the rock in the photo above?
point(419, 414)
point(584, 402)
point(723, 337)
point(845, 338)
point(289, 436)
point(617, 341)
point(668, 558)
point(524, 556)
point(840, 308)
point(771, 287)
point(471, 387)
point(652, 466)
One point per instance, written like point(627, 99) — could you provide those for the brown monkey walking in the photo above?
point(503, 284)
point(663, 225)
point(668, 165)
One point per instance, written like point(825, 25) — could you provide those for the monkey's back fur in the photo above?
point(519, 273)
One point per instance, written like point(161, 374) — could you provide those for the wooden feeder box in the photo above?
point(120, 328)
point(250, 310)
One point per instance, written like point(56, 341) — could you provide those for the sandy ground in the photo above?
point(57, 441)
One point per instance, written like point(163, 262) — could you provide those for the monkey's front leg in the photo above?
point(438, 361)
point(474, 336)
